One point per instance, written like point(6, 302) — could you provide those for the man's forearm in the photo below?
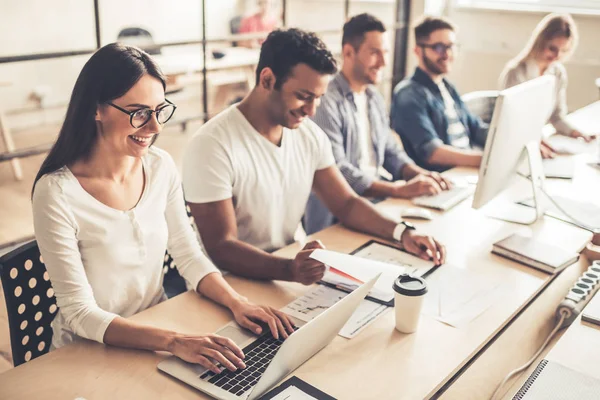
point(449, 156)
point(359, 214)
point(245, 260)
point(382, 189)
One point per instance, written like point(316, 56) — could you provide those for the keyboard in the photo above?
point(258, 357)
point(445, 200)
point(559, 168)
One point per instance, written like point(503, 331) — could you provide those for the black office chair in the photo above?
point(139, 37)
point(234, 27)
point(30, 302)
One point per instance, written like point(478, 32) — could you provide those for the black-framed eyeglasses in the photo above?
point(440, 48)
point(139, 118)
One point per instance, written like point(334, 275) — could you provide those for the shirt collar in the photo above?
point(341, 81)
point(421, 77)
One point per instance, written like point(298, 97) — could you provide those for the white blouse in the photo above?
point(528, 70)
point(105, 262)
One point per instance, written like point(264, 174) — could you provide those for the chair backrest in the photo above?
point(30, 302)
point(481, 103)
point(234, 27)
point(139, 37)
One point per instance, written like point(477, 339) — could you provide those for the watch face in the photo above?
point(408, 225)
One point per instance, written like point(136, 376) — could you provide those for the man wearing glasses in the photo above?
point(436, 128)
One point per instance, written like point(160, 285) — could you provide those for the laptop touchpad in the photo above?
point(239, 335)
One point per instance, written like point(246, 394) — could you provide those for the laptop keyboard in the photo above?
point(258, 357)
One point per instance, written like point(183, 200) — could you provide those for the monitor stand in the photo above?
point(509, 211)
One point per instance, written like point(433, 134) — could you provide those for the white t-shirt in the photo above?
point(367, 162)
point(457, 133)
point(269, 184)
point(104, 262)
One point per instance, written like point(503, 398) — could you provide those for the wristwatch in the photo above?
point(400, 228)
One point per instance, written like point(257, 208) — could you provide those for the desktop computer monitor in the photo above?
point(515, 133)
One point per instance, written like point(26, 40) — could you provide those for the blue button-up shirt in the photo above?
point(337, 116)
point(418, 115)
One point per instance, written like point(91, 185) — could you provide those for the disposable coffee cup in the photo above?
point(409, 292)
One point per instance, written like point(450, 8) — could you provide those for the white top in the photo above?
point(227, 158)
point(105, 262)
point(367, 162)
point(457, 133)
point(528, 70)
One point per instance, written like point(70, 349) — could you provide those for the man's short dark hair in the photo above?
point(284, 49)
point(427, 25)
point(356, 28)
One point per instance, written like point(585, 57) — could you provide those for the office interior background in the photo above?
point(44, 44)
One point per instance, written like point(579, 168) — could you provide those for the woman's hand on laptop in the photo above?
point(423, 246)
point(208, 351)
point(251, 316)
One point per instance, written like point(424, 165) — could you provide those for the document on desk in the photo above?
point(293, 393)
point(320, 298)
point(457, 296)
point(362, 268)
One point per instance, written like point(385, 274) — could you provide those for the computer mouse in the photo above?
point(419, 213)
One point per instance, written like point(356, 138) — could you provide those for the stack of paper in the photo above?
point(344, 267)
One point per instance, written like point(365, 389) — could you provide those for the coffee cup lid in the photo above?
point(409, 285)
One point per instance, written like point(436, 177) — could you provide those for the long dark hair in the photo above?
point(107, 75)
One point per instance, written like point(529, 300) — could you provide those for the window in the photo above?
point(573, 6)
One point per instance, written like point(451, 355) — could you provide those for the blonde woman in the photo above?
point(551, 43)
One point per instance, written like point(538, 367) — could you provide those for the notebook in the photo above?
point(296, 389)
point(534, 253)
point(551, 380)
point(591, 312)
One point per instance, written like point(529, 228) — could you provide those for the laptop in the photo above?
point(445, 200)
point(267, 360)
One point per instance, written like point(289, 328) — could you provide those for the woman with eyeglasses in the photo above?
point(551, 43)
point(106, 205)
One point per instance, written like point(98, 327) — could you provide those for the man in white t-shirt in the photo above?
point(249, 171)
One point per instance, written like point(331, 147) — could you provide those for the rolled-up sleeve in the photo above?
point(329, 119)
point(183, 245)
point(56, 234)
point(410, 119)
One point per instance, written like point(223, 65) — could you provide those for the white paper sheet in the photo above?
point(320, 298)
point(365, 266)
point(293, 393)
point(456, 296)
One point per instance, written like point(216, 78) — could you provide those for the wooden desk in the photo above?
point(388, 365)
point(577, 348)
point(236, 67)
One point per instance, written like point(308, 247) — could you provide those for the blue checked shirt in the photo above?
point(337, 116)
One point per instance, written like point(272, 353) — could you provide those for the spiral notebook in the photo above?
point(551, 380)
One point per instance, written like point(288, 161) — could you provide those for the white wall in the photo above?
point(489, 39)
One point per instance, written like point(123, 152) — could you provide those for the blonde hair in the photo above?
point(550, 27)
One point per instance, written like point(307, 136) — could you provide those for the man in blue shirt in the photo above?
point(354, 116)
point(435, 126)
